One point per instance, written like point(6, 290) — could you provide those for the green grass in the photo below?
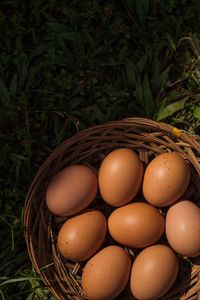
point(65, 66)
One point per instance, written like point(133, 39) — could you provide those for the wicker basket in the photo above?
point(148, 138)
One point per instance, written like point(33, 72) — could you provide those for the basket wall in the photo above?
point(148, 138)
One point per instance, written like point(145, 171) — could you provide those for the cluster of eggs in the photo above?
point(138, 220)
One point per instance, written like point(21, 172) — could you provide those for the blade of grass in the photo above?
point(2, 295)
point(4, 94)
point(15, 280)
point(131, 72)
point(148, 98)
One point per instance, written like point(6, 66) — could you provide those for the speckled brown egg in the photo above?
point(166, 179)
point(106, 274)
point(120, 176)
point(136, 225)
point(183, 228)
point(82, 235)
point(71, 190)
point(154, 271)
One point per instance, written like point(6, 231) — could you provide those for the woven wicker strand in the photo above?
point(148, 138)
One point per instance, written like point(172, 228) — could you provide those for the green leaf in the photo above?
point(50, 18)
point(30, 296)
point(155, 77)
point(99, 50)
point(122, 53)
point(171, 42)
point(2, 295)
point(89, 39)
point(139, 92)
point(4, 94)
point(141, 63)
point(170, 5)
point(164, 76)
point(35, 284)
point(170, 109)
point(195, 79)
point(13, 85)
point(145, 5)
point(40, 49)
point(140, 10)
point(196, 113)
point(60, 28)
point(40, 293)
point(72, 36)
point(196, 42)
point(131, 72)
point(23, 65)
point(148, 98)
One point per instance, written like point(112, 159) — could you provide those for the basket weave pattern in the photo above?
point(148, 138)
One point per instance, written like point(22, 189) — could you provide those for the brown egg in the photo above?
point(71, 190)
point(106, 274)
point(153, 273)
point(183, 228)
point(120, 176)
point(82, 235)
point(166, 179)
point(136, 224)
